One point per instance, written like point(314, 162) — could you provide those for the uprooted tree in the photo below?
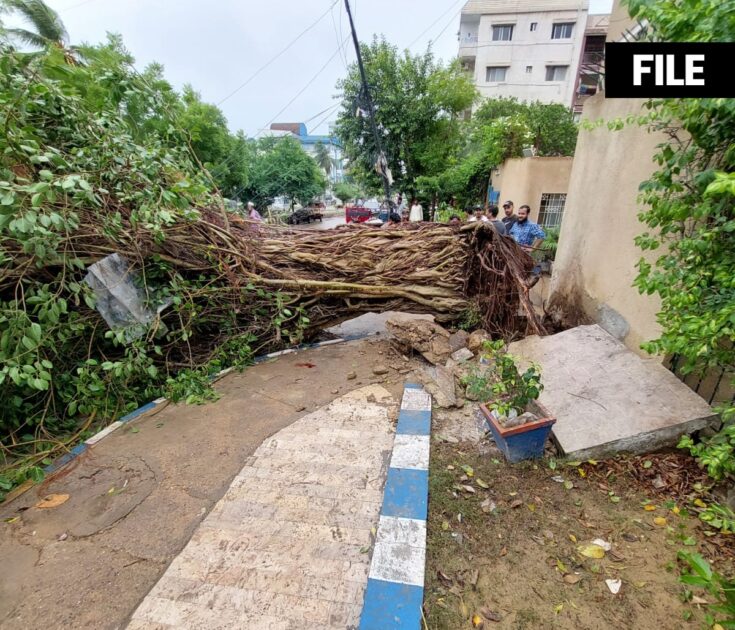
point(76, 185)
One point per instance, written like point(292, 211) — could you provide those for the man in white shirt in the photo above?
point(478, 216)
point(417, 212)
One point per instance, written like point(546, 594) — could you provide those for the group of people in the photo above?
point(526, 233)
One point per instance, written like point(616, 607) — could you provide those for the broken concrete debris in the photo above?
point(458, 340)
point(462, 355)
point(426, 337)
point(476, 340)
point(439, 382)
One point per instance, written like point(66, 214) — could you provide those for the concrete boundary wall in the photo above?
point(595, 264)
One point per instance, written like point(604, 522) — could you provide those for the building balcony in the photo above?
point(468, 45)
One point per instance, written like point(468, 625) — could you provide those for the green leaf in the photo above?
point(36, 331)
point(28, 343)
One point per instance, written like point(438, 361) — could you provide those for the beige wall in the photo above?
point(595, 262)
point(523, 180)
point(619, 22)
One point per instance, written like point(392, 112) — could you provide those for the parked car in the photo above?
point(304, 215)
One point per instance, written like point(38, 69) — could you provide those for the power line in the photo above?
point(268, 63)
point(302, 90)
point(428, 28)
point(338, 36)
point(321, 122)
point(324, 111)
point(448, 24)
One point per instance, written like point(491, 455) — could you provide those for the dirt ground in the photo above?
point(137, 496)
point(505, 540)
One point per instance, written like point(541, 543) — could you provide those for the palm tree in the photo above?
point(47, 28)
point(322, 157)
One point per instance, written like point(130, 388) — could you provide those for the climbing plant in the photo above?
point(689, 209)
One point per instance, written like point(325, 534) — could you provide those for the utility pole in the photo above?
point(369, 105)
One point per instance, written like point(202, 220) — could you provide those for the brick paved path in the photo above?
point(288, 545)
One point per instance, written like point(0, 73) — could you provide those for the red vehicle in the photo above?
point(357, 214)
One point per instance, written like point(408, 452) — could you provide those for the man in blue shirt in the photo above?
point(526, 233)
point(529, 236)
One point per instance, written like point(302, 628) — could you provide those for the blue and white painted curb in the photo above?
point(395, 588)
point(80, 448)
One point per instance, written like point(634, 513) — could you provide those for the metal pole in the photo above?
point(368, 100)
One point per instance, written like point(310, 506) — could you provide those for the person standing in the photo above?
point(497, 223)
point(529, 236)
point(253, 214)
point(510, 218)
point(478, 216)
point(526, 233)
point(417, 212)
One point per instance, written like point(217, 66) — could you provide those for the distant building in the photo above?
point(309, 144)
point(592, 62)
point(527, 49)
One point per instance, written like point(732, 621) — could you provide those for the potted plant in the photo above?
point(519, 423)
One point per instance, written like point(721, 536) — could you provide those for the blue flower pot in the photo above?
point(524, 442)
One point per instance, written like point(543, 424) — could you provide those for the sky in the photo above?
point(218, 45)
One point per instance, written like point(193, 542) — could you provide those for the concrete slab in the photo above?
point(371, 324)
point(606, 398)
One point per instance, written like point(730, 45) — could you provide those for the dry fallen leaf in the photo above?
point(504, 552)
point(649, 508)
point(469, 471)
point(700, 503)
point(488, 506)
point(445, 525)
point(52, 501)
point(443, 577)
point(591, 551)
point(516, 503)
point(469, 489)
point(477, 621)
point(481, 483)
point(660, 521)
point(571, 578)
point(573, 538)
point(490, 615)
point(700, 601)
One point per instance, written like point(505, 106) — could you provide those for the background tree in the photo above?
point(46, 28)
point(282, 168)
point(417, 103)
point(322, 157)
point(346, 191)
point(551, 124)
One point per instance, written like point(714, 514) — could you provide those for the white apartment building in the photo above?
point(529, 49)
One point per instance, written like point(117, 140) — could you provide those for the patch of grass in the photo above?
point(516, 540)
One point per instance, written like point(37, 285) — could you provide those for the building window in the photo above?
point(551, 209)
point(562, 30)
point(502, 32)
point(556, 73)
point(534, 25)
point(495, 74)
point(529, 69)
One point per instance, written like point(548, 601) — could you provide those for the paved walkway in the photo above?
point(288, 545)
